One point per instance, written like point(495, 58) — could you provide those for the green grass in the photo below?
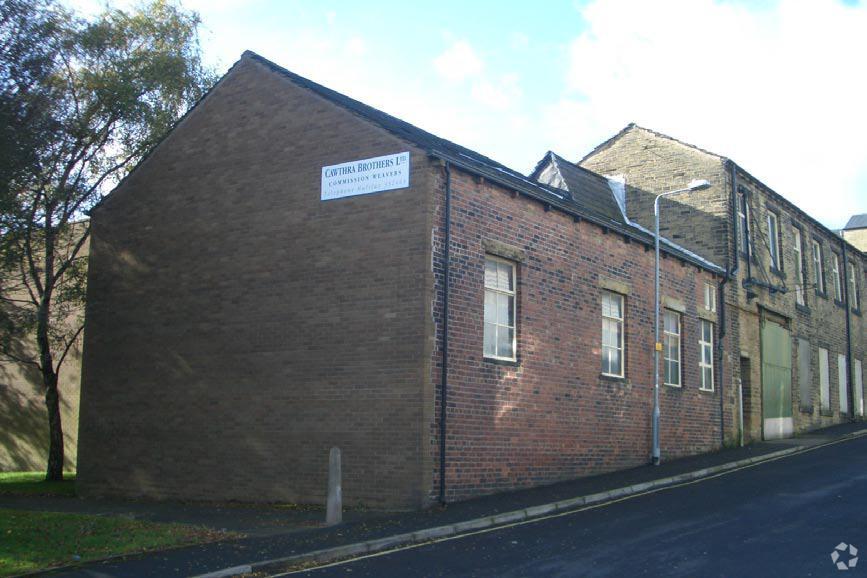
point(35, 540)
point(34, 484)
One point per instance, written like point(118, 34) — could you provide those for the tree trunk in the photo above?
point(54, 470)
point(55, 428)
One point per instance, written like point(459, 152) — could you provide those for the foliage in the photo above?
point(39, 540)
point(85, 100)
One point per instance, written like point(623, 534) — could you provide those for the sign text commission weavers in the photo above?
point(365, 176)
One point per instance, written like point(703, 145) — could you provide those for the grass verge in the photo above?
point(34, 484)
point(39, 540)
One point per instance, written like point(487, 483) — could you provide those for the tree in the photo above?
point(83, 101)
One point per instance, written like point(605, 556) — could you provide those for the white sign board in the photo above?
point(365, 176)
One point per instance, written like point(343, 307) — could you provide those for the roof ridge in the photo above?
point(365, 109)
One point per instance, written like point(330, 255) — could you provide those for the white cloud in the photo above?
point(780, 89)
point(500, 95)
point(458, 62)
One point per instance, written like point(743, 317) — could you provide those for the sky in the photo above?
point(777, 86)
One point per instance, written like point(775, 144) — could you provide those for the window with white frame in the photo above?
point(800, 273)
point(710, 297)
point(824, 380)
point(499, 341)
point(612, 334)
point(836, 277)
point(858, 386)
point(854, 290)
point(842, 383)
point(818, 270)
point(705, 362)
point(774, 241)
point(744, 224)
point(671, 347)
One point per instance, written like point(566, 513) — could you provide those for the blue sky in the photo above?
point(778, 86)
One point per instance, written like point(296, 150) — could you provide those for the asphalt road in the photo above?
point(782, 518)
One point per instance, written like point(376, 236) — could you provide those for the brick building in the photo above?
point(795, 289)
point(248, 309)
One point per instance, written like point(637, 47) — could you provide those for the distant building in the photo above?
point(794, 286)
point(855, 231)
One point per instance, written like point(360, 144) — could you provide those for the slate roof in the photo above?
point(600, 206)
point(476, 163)
point(856, 222)
point(586, 188)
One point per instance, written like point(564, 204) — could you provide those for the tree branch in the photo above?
point(67, 347)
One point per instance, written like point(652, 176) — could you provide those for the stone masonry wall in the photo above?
point(652, 165)
point(658, 163)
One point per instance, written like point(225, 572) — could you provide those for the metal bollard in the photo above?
point(334, 509)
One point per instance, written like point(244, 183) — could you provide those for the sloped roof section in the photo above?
point(557, 197)
point(632, 126)
point(856, 222)
point(587, 189)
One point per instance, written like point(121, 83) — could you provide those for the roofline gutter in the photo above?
point(716, 269)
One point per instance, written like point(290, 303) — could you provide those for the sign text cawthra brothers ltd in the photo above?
point(365, 176)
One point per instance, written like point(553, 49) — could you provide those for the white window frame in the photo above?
point(710, 297)
point(838, 280)
point(800, 273)
point(824, 380)
point(512, 295)
point(774, 240)
point(667, 336)
point(842, 383)
point(858, 387)
point(818, 269)
point(619, 322)
point(855, 292)
point(705, 346)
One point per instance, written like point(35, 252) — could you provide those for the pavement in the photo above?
point(278, 538)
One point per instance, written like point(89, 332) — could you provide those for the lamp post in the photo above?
point(696, 185)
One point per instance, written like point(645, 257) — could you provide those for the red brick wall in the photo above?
point(238, 327)
point(553, 416)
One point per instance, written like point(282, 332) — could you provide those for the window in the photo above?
point(824, 380)
point(858, 387)
point(800, 270)
point(843, 383)
point(709, 297)
point(818, 270)
point(805, 376)
point(705, 362)
point(671, 348)
point(612, 334)
point(744, 224)
point(774, 241)
point(854, 295)
point(836, 278)
point(499, 309)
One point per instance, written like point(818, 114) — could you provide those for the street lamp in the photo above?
point(696, 185)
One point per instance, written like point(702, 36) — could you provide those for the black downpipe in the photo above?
point(721, 306)
point(734, 204)
point(851, 368)
point(445, 345)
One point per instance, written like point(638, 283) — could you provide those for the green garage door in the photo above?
point(776, 380)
